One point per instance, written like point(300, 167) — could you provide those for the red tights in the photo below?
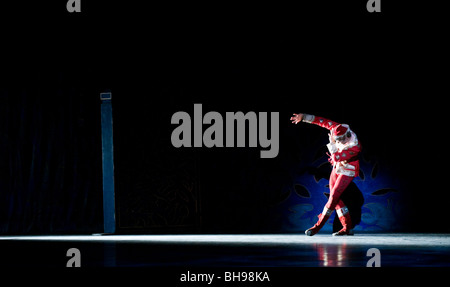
point(338, 183)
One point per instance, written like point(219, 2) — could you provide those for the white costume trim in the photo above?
point(342, 211)
point(332, 148)
point(342, 167)
point(308, 118)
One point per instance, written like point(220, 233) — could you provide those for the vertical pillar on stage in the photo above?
point(109, 219)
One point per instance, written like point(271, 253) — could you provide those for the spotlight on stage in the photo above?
point(374, 199)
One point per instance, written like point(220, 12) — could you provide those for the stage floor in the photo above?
point(261, 250)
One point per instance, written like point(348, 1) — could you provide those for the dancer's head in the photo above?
point(341, 133)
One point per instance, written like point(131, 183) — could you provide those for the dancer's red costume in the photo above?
point(344, 148)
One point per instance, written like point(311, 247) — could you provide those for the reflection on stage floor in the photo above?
point(225, 250)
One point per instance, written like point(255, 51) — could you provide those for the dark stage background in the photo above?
point(382, 74)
